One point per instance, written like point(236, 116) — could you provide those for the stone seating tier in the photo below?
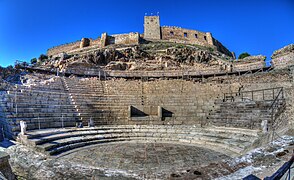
point(231, 141)
point(241, 114)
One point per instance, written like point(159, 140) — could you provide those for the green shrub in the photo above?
point(243, 55)
point(210, 49)
point(43, 57)
point(180, 46)
point(34, 61)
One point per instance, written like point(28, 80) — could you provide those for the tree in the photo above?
point(243, 55)
point(34, 61)
point(43, 57)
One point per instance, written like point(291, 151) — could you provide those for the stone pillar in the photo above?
point(159, 112)
point(104, 39)
point(264, 126)
point(23, 127)
point(209, 38)
point(91, 122)
point(234, 55)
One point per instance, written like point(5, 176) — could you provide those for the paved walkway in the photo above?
point(147, 160)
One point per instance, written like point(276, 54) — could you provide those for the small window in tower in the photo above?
point(171, 33)
point(196, 36)
point(151, 20)
point(185, 34)
point(205, 38)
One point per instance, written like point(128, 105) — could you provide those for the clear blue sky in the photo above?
point(29, 27)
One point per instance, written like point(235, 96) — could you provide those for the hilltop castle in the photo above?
point(152, 32)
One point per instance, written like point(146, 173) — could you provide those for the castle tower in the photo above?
point(152, 27)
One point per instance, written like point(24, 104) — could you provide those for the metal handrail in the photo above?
point(241, 93)
point(277, 97)
point(283, 170)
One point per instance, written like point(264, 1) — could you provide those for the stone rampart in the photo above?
point(180, 35)
point(222, 48)
point(130, 38)
point(63, 48)
point(85, 42)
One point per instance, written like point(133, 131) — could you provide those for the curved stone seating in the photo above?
point(230, 141)
point(43, 105)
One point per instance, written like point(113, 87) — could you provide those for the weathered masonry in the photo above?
point(152, 32)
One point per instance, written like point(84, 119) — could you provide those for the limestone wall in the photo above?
point(183, 102)
point(130, 38)
point(277, 78)
point(180, 35)
point(152, 27)
point(63, 48)
point(222, 48)
point(283, 57)
point(72, 46)
point(248, 66)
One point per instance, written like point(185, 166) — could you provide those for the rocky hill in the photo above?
point(147, 56)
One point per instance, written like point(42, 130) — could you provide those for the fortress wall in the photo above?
point(221, 48)
point(63, 48)
point(130, 38)
point(71, 46)
point(94, 42)
point(178, 35)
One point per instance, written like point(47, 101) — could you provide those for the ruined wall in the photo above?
point(130, 38)
point(249, 63)
point(283, 57)
point(63, 48)
point(85, 42)
point(222, 48)
point(180, 35)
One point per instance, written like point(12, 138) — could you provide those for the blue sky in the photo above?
point(29, 27)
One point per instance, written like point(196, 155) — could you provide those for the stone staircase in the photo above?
point(249, 109)
point(230, 141)
point(91, 102)
point(39, 107)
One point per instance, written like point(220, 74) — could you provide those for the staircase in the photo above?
point(248, 109)
point(41, 106)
